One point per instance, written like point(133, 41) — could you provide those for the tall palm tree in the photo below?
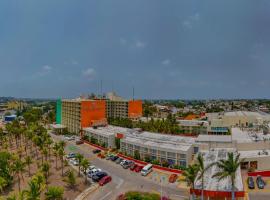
point(80, 158)
point(54, 193)
point(56, 148)
point(18, 168)
point(3, 184)
point(61, 154)
point(229, 169)
point(45, 168)
point(201, 170)
point(28, 161)
point(190, 173)
point(85, 164)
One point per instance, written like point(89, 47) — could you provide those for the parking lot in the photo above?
point(123, 179)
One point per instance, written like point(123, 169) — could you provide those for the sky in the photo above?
point(187, 49)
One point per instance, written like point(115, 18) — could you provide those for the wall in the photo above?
point(92, 111)
point(59, 111)
point(135, 109)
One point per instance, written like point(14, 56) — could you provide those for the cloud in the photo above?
point(123, 41)
point(46, 68)
point(89, 73)
point(189, 22)
point(166, 62)
point(140, 44)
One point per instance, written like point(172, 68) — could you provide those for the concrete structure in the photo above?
point(80, 113)
point(124, 109)
point(16, 105)
point(176, 150)
point(213, 184)
point(237, 118)
point(195, 127)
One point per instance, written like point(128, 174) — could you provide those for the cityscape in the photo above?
point(134, 100)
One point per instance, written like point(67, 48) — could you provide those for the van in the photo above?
point(146, 170)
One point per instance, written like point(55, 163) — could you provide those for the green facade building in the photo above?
point(59, 111)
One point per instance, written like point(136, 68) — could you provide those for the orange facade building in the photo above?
point(93, 113)
point(135, 109)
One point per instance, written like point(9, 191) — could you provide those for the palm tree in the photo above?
point(54, 193)
point(229, 168)
point(61, 154)
point(56, 149)
point(28, 162)
point(201, 170)
point(3, 184)
point(190, 174)
point(80, 158)
point(45, 168)
point(18, 167)
point(85, 164)
point(36, 186)
point(71, 179)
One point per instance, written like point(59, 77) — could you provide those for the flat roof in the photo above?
point(192, 122)
point(146, 138)
point(254, 153)
point(214, 138)
point(213, 184)
point(248, 135)
point(57, 126)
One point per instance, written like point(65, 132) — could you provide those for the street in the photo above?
point(122, 180)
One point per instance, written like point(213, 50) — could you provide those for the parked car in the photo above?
point(147, 169)
point(260, 182)
point(138, 168)
point(122, 162)
point(104, 180)
point(79, 141)
point(173, 178)
point(93, 172)
point(109, 156)
point(98, 176)
point(119, 160)
point(128, 164)
point(70, 155)
point(114, 158)
point(74, 161)
point(95, 151)
point(133, 167)
point(250, 181)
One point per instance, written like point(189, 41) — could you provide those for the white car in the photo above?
point(123, 162)
point(91, 167)
point(74, 161)
point(92, 172)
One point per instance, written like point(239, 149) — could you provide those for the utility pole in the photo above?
point(133, 93)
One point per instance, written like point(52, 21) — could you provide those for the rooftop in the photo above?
point(213, 184)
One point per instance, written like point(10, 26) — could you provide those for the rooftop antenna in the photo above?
point(101, 89)
point(133, 93)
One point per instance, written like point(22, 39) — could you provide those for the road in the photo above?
point(122, 180)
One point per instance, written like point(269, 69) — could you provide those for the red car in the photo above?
point(173, 178)
point(133, 167)
point(104, 180)
point(138, 168)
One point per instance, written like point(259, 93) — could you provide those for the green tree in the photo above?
point(71, 179)
point(137, 155)
point(229, 169)
point(18, 168)
point(85, 164)
point(3, 184)
point(201, 170)
point(54, 193)
point(190, 173)
point(61, 154)
point(80, 158)
point(56, 148)
point(28, 161)
point(45, 168)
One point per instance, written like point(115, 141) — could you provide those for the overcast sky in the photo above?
point(165, 49)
